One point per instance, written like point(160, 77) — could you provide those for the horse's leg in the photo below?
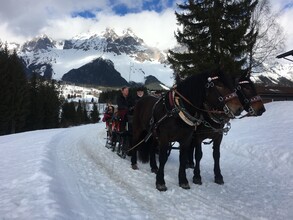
point(153, 163)
point(160, 182)
point(137, 136)
point(216, 155)
point(134, 159)
point(190, 161)
point(198, 155)
point(184, 149)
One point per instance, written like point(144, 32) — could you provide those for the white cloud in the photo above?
point(285, 11)
point(21, 20)
point(285, 20)
point(156, 29)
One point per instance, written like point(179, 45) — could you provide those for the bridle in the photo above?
point(248, 101)
point(224, 99)
point(177, 98)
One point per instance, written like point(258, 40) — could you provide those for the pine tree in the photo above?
point(5, 95)
point(68, 115)
point(95, 115)
point(86, 118)
point(214, 34)
point(36, 114)
point(79, 114)
point(14, 93)
point(19, 105)
point(52, 103)
point(45, 104)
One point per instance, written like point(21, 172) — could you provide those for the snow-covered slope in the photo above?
point(69, 174)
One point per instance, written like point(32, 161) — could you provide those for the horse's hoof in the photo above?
point(134, 167)
point(197, 181)
point(184, 186)
point(154, 170)
point(219, 181)
point(161, 187)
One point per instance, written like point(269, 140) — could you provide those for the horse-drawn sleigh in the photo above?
point(200, 104)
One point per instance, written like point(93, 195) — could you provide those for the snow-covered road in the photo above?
point(71, 175)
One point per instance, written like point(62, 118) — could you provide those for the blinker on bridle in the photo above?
point(247, 101)
point(221, 98)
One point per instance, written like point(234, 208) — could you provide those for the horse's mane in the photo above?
point(194, 86)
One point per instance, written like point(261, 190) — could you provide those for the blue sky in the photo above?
point(288, 5)
point(122, 8)
point(152, 5)
point(85, 14)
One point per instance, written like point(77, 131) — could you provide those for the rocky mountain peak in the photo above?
point(42, 42)
point(129, 34)
point(109, 33)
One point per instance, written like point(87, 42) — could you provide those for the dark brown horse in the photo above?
point(214, 128)
point(175, 116)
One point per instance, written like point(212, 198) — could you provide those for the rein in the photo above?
point(202, 110)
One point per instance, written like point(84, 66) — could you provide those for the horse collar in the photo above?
point(184, 115)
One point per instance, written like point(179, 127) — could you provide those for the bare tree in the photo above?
point(270, 39)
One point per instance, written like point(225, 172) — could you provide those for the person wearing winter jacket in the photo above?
point(109, 111)
point(125, 105)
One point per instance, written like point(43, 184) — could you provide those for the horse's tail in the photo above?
point(144, 150)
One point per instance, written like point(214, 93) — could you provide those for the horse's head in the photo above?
point(221, 95)
point(248, 96)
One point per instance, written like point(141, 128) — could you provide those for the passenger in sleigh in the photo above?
point(108, 115)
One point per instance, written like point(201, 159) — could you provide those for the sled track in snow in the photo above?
point(170, 182)
point(100, 174)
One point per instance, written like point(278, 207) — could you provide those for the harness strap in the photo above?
point(152, 122)
point(185, 116)
point(203, 110)
point(171, 98)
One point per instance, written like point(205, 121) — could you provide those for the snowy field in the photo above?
point(69, 174)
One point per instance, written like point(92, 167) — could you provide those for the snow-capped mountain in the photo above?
point(131, 57)
point(277, 74)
